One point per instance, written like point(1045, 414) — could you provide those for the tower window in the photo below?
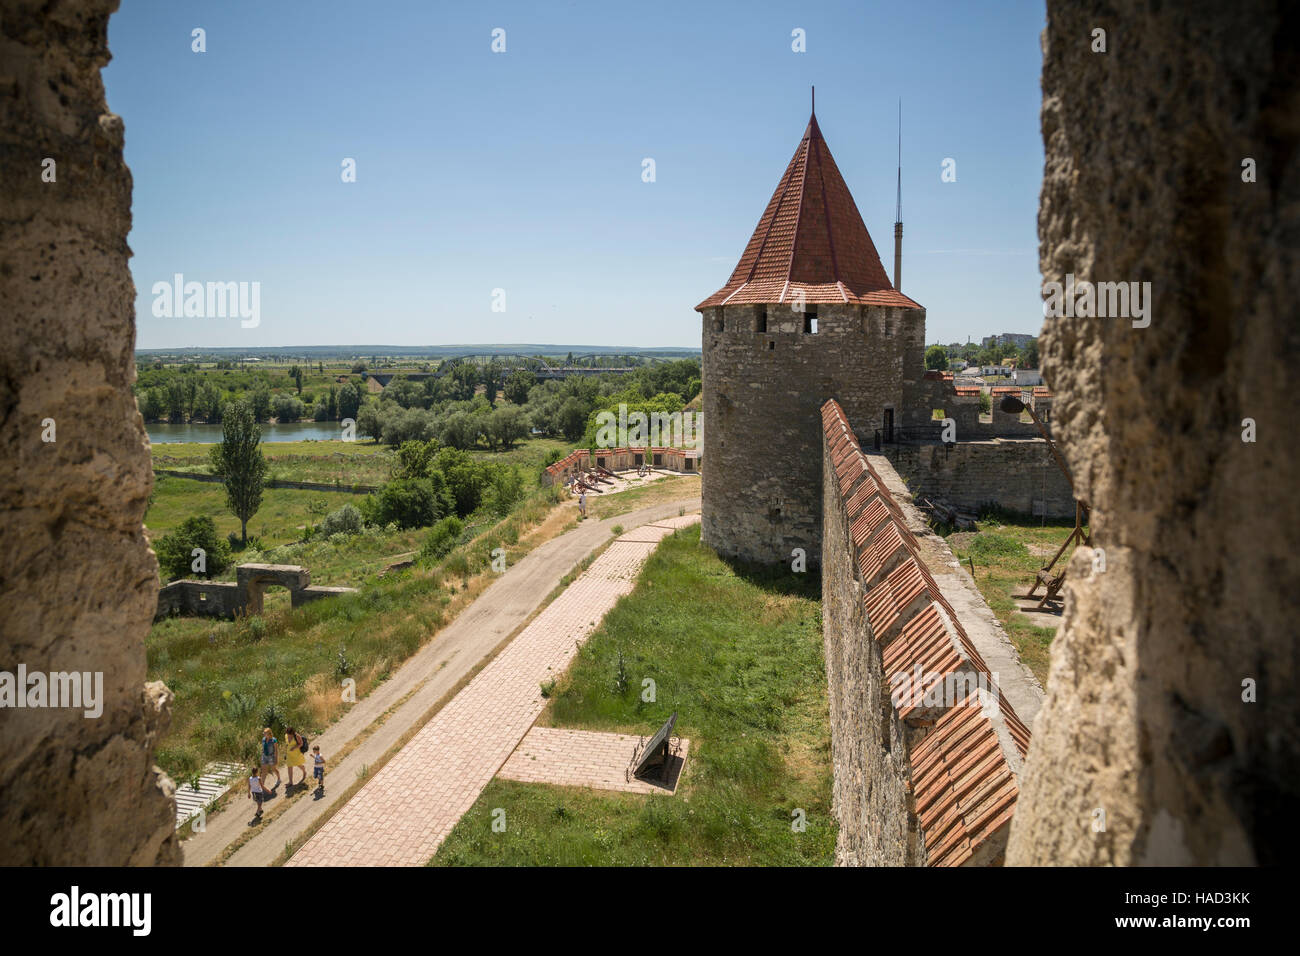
point(810, 321)
point(760, 321)
point(771, 346)
point(717, 321)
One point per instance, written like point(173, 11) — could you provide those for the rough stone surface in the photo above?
point(78, 583)
point(1144, 718)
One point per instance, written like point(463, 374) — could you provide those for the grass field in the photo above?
point(359, 462)
point(738, 654)
point(280, 519)
point(230, 678)
point(1007, 552)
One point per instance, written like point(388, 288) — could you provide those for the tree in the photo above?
point(369, 422)
point(286, 408)
point(518, 384)
point(208, 404)
point(261, 399)
point(936, 358)
point(1030, 354)
point(572, 418)
point(507, 425)
point(239, 463)
point(410, 502)
point(176, 550)
point(176, 400)
point(349, 400)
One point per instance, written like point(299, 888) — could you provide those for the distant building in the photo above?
point(1018, 339)
point(1027, 377)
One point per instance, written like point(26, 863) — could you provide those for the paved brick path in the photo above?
point(402, 815)
point(584, 758)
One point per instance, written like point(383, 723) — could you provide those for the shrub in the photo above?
point(175, 550)
point(409, 502)
point(286, 408)
point(442, 538)
point(505, 490)
point(346, 520)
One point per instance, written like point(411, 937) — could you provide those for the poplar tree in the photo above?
point(238, 462)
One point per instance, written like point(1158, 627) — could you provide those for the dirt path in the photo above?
point(419, 684)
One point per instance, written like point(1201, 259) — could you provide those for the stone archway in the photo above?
point(253, 580)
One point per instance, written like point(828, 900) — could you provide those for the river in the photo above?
point(211, 434)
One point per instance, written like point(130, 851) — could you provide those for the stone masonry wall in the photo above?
point(1016, 474)
point(926, 745)
point(763, 393)
point(78, 583)
point(1173, 705)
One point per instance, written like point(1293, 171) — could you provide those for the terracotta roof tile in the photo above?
point(811, 240)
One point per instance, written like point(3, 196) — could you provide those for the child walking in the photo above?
point(318, 767)
point(255, 792)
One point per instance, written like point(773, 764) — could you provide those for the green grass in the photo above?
point(225, 674)
point(662, 489)
point(280, 520)
point(738, 654)
point(359, 462)
point(1008, 551)
point(528, 455)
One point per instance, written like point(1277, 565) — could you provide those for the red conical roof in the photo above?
point(811, 237)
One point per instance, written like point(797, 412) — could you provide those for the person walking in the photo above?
point(318, 768)
point(270, 757)
point(256, 793)
point(294, 744)
point(582, 503)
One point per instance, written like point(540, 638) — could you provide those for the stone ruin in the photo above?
point(243, 596)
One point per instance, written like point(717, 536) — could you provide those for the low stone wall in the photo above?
point(1019, 474)
point(926, 744)
point(227, 600)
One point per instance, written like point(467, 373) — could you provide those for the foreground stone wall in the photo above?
point(926, 745)
point(79, 580)
point(1016, 474)
point(1144, 720)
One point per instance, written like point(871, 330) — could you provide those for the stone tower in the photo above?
point(808, 315)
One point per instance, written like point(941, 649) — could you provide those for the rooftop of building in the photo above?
point(811, 240)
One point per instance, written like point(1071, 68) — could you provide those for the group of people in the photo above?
point(296, 750)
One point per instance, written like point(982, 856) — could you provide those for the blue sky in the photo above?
point(522, 170)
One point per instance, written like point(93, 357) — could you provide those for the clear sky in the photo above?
point(522, 170)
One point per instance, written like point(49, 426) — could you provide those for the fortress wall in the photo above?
point(80, 583)
point(927, 748)
point(1150, 717)
point(1016, 474)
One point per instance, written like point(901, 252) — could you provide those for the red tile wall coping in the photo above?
point(965, 767)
